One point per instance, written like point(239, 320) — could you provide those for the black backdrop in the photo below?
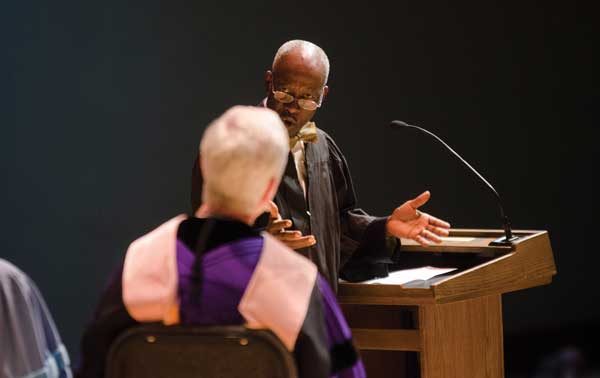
point(105, 102)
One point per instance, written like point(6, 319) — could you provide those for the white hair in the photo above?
point(241, 152)
point(308, 49)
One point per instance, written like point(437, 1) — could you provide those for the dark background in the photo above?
point(104, 104)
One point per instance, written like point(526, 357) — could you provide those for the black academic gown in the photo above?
point(350, 243)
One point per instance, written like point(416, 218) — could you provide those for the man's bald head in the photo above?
point(300, 70)
point(302, 56)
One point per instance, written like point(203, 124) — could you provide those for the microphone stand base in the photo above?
point(503, 241)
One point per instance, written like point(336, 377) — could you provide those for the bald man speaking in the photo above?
point(315, 208)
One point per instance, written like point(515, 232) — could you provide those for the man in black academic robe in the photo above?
point(316, 193)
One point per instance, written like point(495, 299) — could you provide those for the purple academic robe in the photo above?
point(244, 278)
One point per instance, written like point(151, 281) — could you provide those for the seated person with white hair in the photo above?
point(244, 153)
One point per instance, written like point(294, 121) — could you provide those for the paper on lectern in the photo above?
point(400, 277)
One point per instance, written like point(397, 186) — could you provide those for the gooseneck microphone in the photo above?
point(508, 236)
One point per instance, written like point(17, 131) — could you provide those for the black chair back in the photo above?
point(183, 351)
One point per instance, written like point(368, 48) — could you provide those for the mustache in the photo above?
point(287, 116)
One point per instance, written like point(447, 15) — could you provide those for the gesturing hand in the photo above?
point(408, 222)
point(277, 227)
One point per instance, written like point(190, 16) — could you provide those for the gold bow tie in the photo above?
point(308, 134)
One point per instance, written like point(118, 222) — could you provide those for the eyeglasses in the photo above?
point(304, 103)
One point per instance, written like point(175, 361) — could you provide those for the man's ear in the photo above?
point(325, 92)
point(269, 193)
point(268, 80)
point(202, 212)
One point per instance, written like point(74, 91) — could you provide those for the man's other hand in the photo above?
point(277, 227)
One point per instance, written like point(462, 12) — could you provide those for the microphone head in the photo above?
point(398, 123)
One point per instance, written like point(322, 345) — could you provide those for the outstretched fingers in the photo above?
point(438, 222)
point(430, 236)
point(440, 231)
point(289, 235)
point(301, 242)
point(421, 240)
point(277, 226)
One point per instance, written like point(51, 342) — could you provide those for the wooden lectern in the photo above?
point(457, 324)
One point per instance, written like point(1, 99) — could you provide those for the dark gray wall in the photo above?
point(106, 102)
